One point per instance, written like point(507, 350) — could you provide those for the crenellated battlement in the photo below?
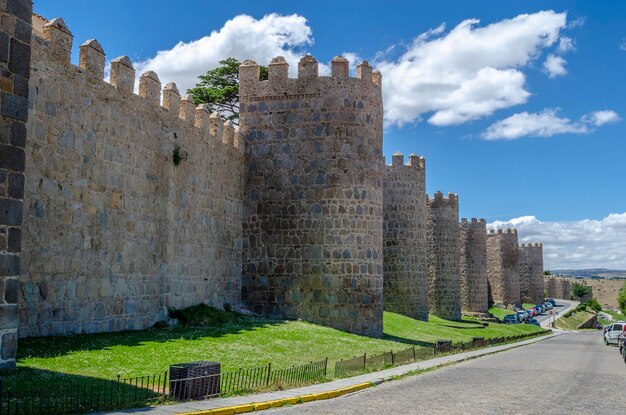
point(439, 199)
point(58, 45)
point(415, 161)
point(308, 69)
point(473, 222)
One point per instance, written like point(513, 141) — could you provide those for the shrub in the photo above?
point(202, 315)
point(593, 304)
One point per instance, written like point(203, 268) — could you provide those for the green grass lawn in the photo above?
point(235, 341)
point(577, 318)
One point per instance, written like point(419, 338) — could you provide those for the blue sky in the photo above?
point(519, 110)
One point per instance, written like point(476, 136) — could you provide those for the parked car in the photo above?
point(511, 319)
point(548, 305)
point(551, 301)
point(538, 308)
point(521, 315)
point(533, 321)
point(620, 344)
point(533, 312)
point(612, 332)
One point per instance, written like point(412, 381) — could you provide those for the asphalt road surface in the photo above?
point(570, 374)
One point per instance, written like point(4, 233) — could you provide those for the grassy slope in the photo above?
point(570, 323)
point(242, 342)
point(436, 328)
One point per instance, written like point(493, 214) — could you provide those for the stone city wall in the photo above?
point(115, 232)
point(444, 285)
point(313, 214)
point(405, 282)
point(550, 286)
point(503, 267)
point(15, 53)
point(473, 266)
point(531, 273)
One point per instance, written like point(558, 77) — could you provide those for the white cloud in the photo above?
point(581, 244)
point(599, 118)
point(566, 44)
point(622, 44)
point(542, 124)
point(242, 37)
point(469, 72)
point(555, 66)
point(546, 124)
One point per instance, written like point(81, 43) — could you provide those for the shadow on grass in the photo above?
point(54, 346)
point(407, 341)
point(29, 390)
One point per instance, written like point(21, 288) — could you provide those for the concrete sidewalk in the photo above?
point(374, 378)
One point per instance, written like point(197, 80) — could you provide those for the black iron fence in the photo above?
point(364, 362)
point(96, 394)
point(90, 394)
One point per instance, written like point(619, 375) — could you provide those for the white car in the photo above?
point(613, 331)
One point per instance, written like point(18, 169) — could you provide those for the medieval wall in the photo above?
point(565, 289)
point(313, 194)
point(15, 54)
point(473, 266)
point(114, 230)
point(503, 267)
point(531, 273)
point(405, 282)
point(444, 283)
point(550, 286)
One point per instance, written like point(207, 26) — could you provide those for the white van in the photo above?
point(612, 333)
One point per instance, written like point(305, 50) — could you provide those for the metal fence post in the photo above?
point(392, 359)
point(269, 369)
point(325, 367)
point(364, 359)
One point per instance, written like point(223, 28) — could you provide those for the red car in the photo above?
point(533, 311)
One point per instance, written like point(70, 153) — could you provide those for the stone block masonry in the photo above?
point(313, 214)
point(114, 231)
point(550, 286)
point(473, 266)
point(444, 281)
point(405, 282)
point(503, 267)
point(531, 273)
point(15, 60)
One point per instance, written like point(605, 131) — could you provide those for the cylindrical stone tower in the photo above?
point(405, 282)
point(473, 266)
point(503, 267)
point(313, 194)
point(531, 273)
point(444, 284)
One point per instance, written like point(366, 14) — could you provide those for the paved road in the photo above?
point(569, 374)
point(562, 307)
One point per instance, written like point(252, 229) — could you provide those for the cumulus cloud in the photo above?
point(554, 66)
point(599, 118)
point(586, 243)
point(546, 124)
point(469, 72)
point(566, 44)
point(242, 37)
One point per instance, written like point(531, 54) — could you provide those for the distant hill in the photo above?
point(592, 273)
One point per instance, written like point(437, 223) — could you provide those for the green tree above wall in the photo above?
point(219, 89)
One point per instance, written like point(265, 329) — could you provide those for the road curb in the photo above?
point(295, 400)
point(259, 406)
